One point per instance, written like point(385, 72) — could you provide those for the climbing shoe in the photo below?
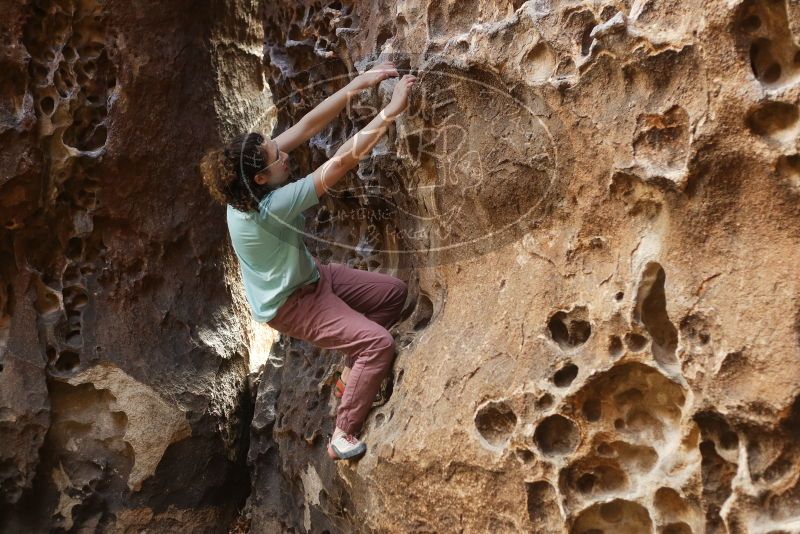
point(344, 446)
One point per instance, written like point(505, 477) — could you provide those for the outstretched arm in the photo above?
point(359, 146)
point(315, 120)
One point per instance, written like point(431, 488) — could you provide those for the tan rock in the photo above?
point(152, 423)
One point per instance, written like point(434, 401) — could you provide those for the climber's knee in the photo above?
point(402, 292)
point(384, 343)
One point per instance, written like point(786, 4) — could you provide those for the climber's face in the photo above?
point(277, 170)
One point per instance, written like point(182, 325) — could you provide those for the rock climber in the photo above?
point(331, 305)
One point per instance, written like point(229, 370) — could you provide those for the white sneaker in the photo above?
point(344, 446)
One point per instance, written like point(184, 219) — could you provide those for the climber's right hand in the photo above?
point(400, 96)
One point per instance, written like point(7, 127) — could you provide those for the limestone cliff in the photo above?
point(596, 205)
point(123, 398)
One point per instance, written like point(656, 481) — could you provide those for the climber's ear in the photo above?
point(261, 178)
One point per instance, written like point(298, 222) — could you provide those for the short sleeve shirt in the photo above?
point(273, 258)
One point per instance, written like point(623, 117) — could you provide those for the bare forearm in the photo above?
point(350, 153)
point(358, 146)
point(327, 110)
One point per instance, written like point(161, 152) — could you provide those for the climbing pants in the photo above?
point(350, 310)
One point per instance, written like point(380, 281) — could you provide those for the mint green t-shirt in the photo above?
point(269, 244)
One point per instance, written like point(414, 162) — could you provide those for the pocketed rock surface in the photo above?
point(596, 206)
point(123, 398)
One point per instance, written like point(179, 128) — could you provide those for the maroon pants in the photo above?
point(350, 310)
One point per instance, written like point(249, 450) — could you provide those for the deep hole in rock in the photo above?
point(495, 421)
point(47, 105)
point(729, 440)
point(75, 296)
point(715, 428)
point(310, 435)
point(325, 391)
point(39, 73)
point(635, 342)
point(539, 62)
point(556, 435)
point(86, 135)
point(668, 502)
point(604, 449)
point(423, 312)
point(615, 347)
point(774, 120)
point(564, 376)
point(771, 74)
point(545, 401)
point(626, 517)
point(772, 53)
point(788, 168)
point(73, 318)
point(384, 35)
point(525, 455)
point(387, 394)
point(592, 409)
point(651, 311)
point(586, 40)
point(717, 475)
point(586, 483)
point(594, 476)
point(762, 60)
point(569, 330)
point(67, 361)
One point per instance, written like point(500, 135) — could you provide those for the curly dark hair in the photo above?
point(229, 172)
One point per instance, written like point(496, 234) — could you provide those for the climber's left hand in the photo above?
point(375, 75)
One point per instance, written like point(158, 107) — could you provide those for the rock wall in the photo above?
point(123, 360)
point(595, 204)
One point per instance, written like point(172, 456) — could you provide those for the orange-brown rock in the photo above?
point(596, 206)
